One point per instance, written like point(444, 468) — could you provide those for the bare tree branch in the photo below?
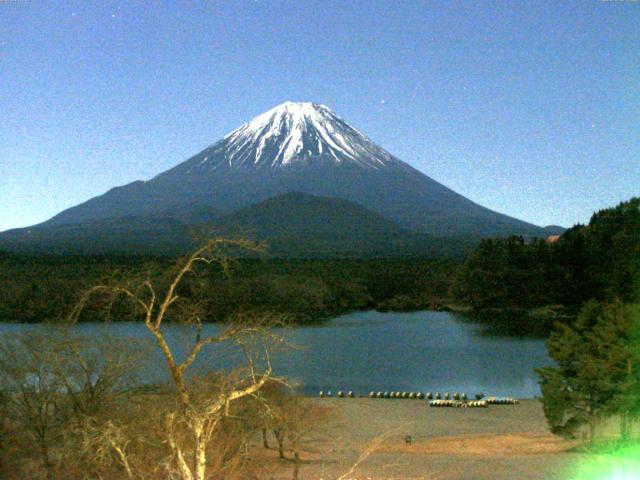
point(189, 428)
point(366, 453)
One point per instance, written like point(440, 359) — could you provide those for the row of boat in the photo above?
point(435, 400)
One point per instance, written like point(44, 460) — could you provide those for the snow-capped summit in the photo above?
point(294, 133)
point(304, 148)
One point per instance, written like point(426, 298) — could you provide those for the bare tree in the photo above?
point(33, 393)
point(107, 443)
point(303, 422)
point(4, 427)
point(52, 381)
point(95, 371)
point(296, 422)
point(189, 426)
point(100, 383)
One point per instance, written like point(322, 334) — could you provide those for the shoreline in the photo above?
point(419, 442)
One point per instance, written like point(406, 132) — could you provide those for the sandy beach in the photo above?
point(505, 441)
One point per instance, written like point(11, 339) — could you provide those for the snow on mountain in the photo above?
point(302, 147)
point(294, 133)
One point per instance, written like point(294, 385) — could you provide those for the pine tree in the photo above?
point(597, 370)
point(618, 341)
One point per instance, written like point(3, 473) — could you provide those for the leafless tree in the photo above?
point(303, 423)
point(295, 421)
point(190, 426)
point(52, 381)
point(33, 392)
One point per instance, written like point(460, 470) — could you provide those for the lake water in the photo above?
point(420, 351)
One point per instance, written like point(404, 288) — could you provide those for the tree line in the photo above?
point(517, 284)
point(41, 288)
point(599, 261)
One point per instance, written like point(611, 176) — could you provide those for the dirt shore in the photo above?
point(498, 442)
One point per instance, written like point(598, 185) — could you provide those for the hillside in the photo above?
point(294, 225)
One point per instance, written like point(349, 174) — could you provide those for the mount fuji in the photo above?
point(294, 147)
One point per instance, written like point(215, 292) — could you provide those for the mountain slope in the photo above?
point(306, 148)
point(161, 232)
point(293, 224)
point(302, 225)
point(297, 214)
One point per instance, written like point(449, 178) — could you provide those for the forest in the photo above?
point(526, 283)
point(600, 260)
point(44, 288)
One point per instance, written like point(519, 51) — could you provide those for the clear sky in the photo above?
point(528, 108)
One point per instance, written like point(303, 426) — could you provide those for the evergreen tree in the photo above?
point(600, 260)
point(597, 369)
point(617, 339)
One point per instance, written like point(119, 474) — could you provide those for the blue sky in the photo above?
point(529, 108)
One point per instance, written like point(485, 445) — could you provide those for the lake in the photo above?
point(420, 351)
